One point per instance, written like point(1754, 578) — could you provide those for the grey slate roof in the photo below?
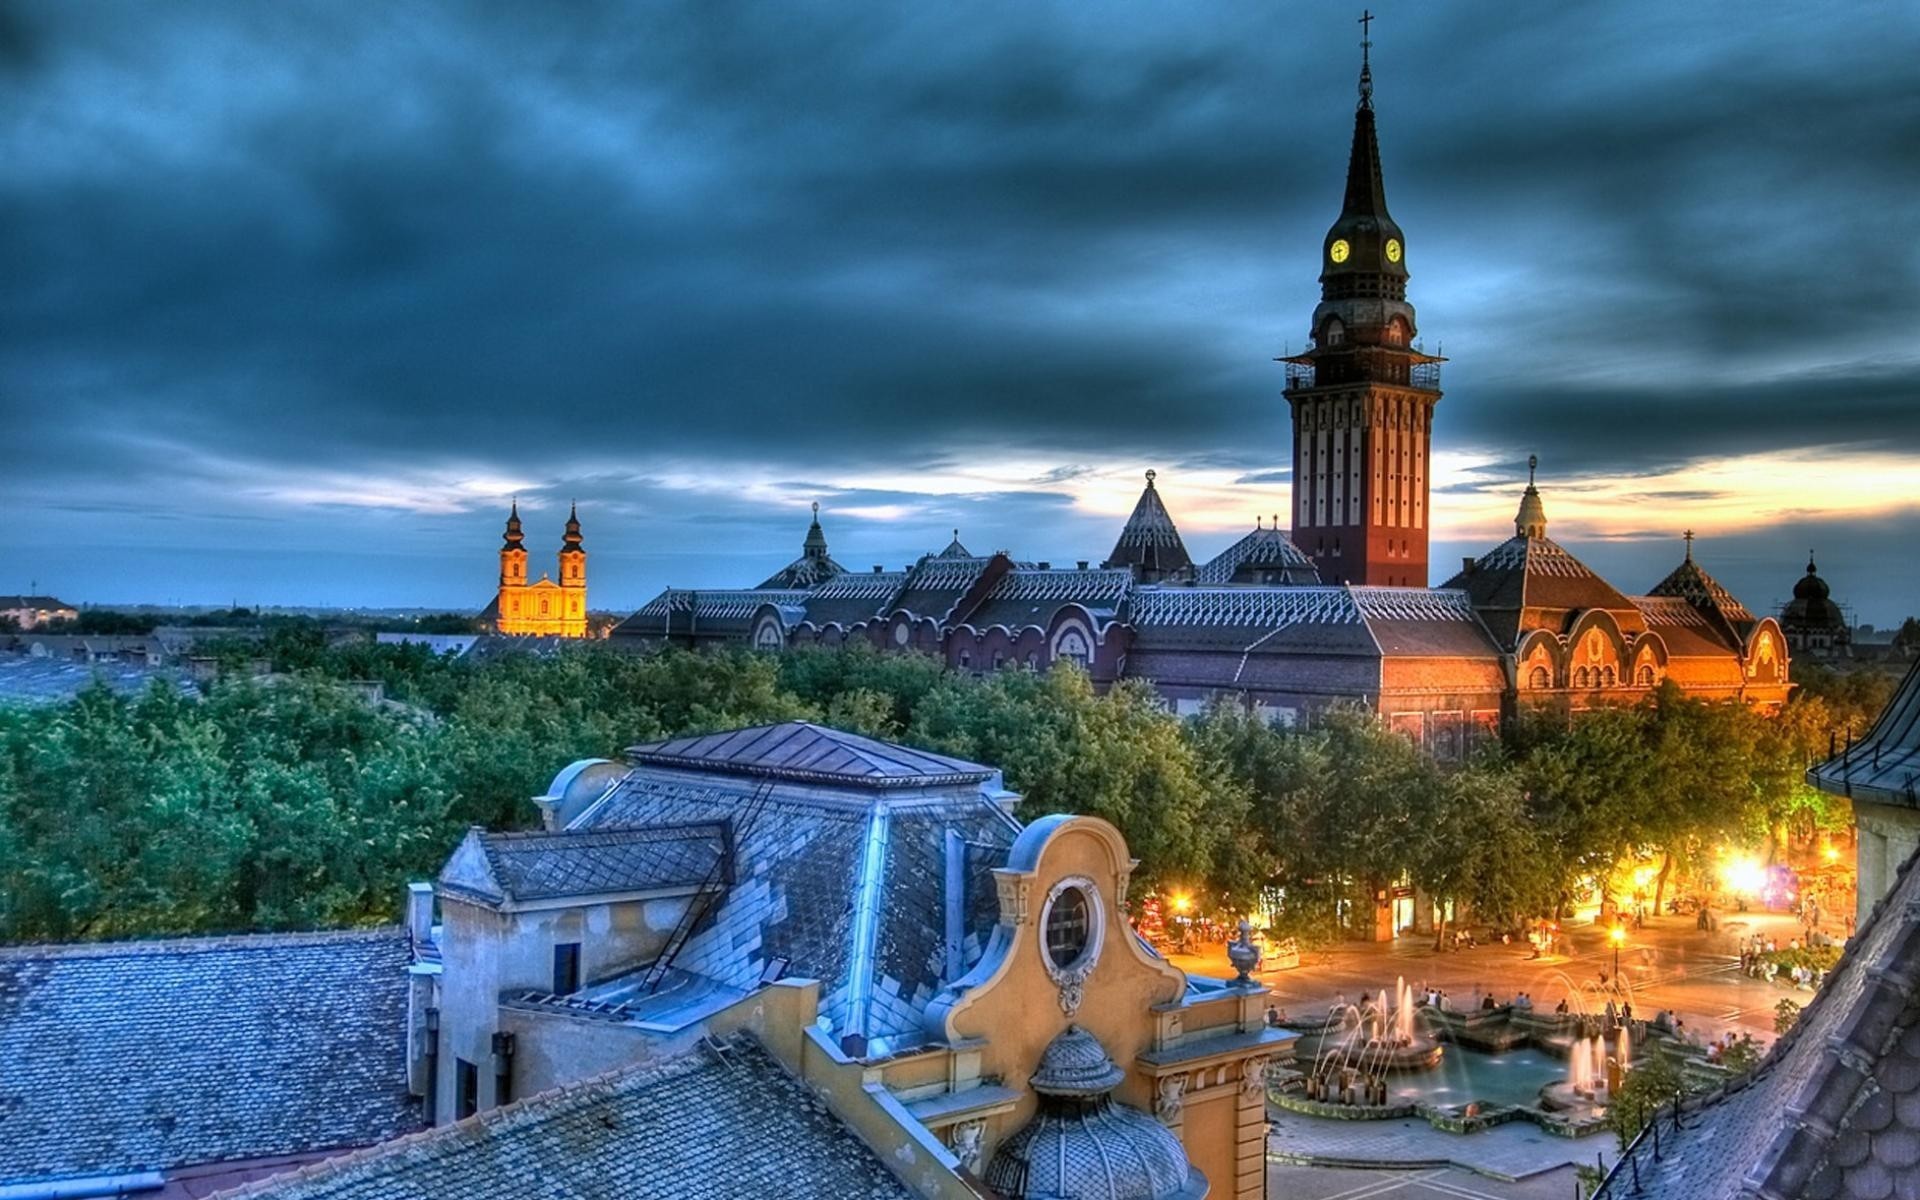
point(519, 867)
point(150, 1055)
point(1030, 596)
point(1149, 541)
point(1833, 1111)
point(712, 1124)
point(1884, 766)
point(809, 753)
point(847, 885)
point(1532, 582)
point(1259, 557)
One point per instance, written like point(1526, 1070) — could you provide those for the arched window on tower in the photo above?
point(1333, 333)
point(1397, 332)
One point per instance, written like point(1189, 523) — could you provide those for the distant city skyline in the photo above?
point(298, 300)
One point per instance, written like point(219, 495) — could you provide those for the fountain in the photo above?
point(1360, 1044)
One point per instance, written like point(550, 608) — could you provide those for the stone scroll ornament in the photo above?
point(967, 1137)
point(1168, 1098)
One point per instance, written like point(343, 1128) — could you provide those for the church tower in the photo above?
point(513, 554)
point(573, 579)
point(1362, 396)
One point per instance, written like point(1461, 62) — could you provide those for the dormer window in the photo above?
point(1333, 333)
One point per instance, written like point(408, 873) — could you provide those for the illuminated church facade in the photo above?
point(545, 607)
point(1336, 610)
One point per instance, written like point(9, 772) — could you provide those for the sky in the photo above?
point(295, 297)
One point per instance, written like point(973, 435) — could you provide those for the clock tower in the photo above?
point(1362, 395)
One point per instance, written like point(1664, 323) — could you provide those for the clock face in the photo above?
point(1393, 249)
point(1339, 250)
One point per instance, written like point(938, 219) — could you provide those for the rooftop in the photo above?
point(721, 1121)
point(521, 867)
point(142, 1056)
point(807, 753)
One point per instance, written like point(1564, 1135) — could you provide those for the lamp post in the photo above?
point(1616, 935)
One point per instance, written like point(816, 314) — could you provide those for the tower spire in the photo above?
point(1689, 536)
point(1366, 55)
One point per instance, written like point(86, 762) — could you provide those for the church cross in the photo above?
point(1689, 536)
point(1366, 64)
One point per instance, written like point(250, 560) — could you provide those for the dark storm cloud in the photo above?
point(597, 249)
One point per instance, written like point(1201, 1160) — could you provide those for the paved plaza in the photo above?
point(1667, 964)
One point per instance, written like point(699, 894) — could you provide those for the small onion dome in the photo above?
point(1083, 1146)
point(571, 540)
point(1075, 1064)
point(1811, 586)
point(514, 536)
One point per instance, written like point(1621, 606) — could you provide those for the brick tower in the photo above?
point(1362, 395)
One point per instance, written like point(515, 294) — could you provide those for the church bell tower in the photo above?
point(1362, 395)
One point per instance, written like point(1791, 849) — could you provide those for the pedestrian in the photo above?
point(1626, 1012)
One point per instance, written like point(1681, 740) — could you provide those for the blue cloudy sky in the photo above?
point(294, 297)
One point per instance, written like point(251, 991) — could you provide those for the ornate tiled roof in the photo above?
point(807, 753)
point(841, 885)
point(1264, 552)
point(1240, 607)
point(137, 1056)
point(1031, 596)
point(721, 1121)
point(1688, 582)
point(802, 573)
point(1149, 543)
point(724, 605)
point(520, 867)
point(1883, 766)
point(1528, 583)
point(1833, 1111)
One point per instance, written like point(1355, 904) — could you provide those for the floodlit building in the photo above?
point(546, 607)
point(32, 612)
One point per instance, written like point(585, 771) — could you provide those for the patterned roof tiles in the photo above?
point(805, 752)
point(522, 867)
point(1237, 607)
point(1149, 541)
point(1263, 550)
point(137, 1056)
point(1883, 766)
point(721, 1121)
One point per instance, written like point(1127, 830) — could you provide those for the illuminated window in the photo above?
point(1073, 647)
point(1646, 675)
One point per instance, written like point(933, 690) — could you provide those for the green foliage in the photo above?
point(305, 802)
point(1785, 1015)
point(1650, 1087)
point(1743, 1056)
point(1818, 958)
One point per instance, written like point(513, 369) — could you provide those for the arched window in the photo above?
point(1074, 647)
point(767, 637)
point(1397, 332)
point(1609, 676)
point(966, 660)
point(1334, 332)
point(1539, 679)
point(1580, 677)
point(1646, 674)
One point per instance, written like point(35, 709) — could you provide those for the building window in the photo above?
point(1646, 675)
point(999, 660)
point(1539, 678)
point(1033, 660)
point(1074, 647)
point(966, 660)
point(566, 968)
point(1069, 928)
point(466, 1096)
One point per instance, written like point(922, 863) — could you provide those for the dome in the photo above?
point(1811, 586)
point(1083, 1146)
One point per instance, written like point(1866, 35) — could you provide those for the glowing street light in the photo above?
point(1617, 935)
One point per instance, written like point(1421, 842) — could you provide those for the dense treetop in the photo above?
point(296, 802)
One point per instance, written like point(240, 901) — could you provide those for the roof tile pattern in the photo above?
point(151, 1055)
point(1883, 766)
point(805, 752)
point(1031, 596)
point(713, 1124)
point(544, 865)
point(1262, 552)
point(1149, 541)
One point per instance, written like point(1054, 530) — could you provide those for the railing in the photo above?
point(1299, 375)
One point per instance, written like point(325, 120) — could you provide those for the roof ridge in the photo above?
point(199, 943)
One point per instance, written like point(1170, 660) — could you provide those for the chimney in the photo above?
point(1082, 564)
point(877, 568)
point(1466, 566)
point(419, 913)
point(1045, 566)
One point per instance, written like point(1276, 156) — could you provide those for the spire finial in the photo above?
point(1810, 567)
point(1257, 518)
point(1689, 536)
point(816, 510)
point(1150, 475)
point(1533, 464)
point(1366, 58)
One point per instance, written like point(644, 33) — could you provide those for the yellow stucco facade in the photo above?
point(547, 607)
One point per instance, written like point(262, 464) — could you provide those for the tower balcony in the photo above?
point(1423, 372)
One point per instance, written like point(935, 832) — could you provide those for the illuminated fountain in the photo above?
point(1360, 1044)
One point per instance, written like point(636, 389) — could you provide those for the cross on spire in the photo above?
point(1366, 63)
point(1689, 536)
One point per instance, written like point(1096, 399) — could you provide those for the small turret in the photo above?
point(1531, 520)
point(815, 547)
point(513, 551)
point(573, 554)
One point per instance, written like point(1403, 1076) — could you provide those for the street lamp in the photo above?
point(1616, 935)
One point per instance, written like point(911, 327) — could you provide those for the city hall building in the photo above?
point(1336, 610)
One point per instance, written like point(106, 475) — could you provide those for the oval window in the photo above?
point(1069, 928)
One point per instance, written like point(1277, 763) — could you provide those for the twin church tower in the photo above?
point(545, 607)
